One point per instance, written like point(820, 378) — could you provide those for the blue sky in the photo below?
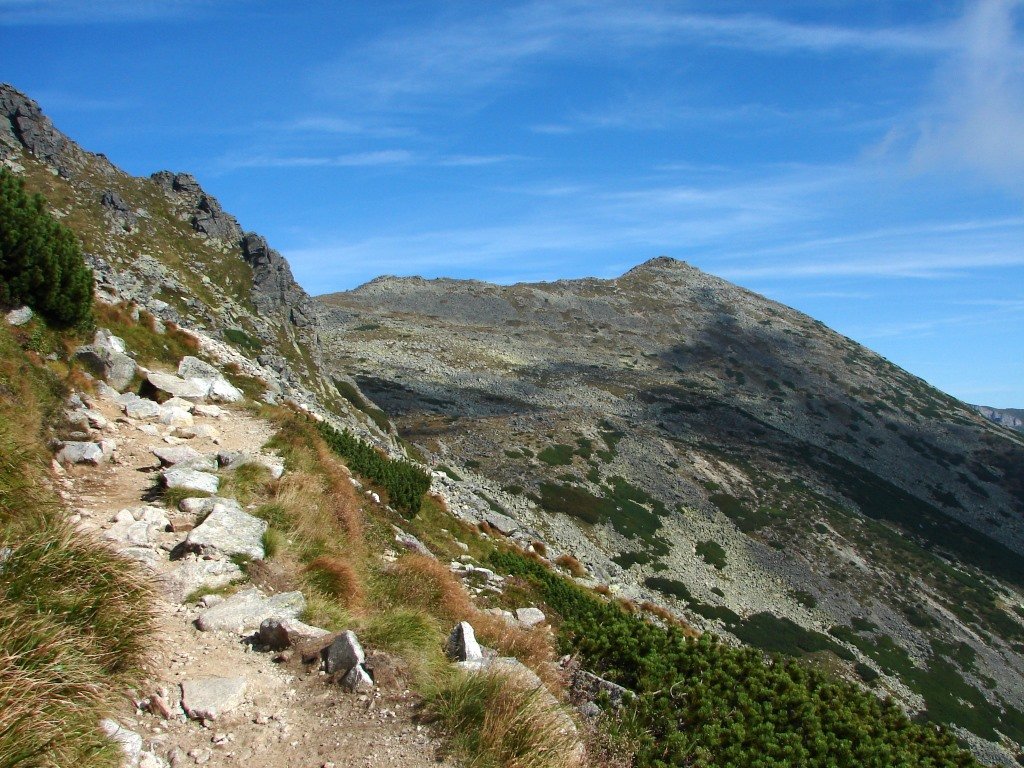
point(862, 161)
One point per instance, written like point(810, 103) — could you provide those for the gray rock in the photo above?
point(244, 611)
point(223, 391)
point(501, 523)
point(278, 634)
point(78, 452)
point(139, 408)
point(170, 455)
point(232, 460)
point(210, 697)
point(588, 685)
point(195, 573)
point(529, 617)
point(194, 368)
point(119, 210)
point(129, 741)
point(274, 290)
point(228, 531)
point(19, 316)
point(173, 416)
point(34, 130)
point(462, 644)
point(106, 359)
point(357, 679)
point(190, 389)
point(201, 506)
point(411, 543)
point(342, 654)
point(191, 480)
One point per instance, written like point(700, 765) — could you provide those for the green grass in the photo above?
point(76, 617)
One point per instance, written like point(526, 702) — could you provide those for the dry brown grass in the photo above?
point(495, 721)
point(338, 578)
point(571, 564)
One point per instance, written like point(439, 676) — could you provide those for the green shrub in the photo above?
point(703, 703)
point(41, 262)
point(404, 482)
point(712, 553)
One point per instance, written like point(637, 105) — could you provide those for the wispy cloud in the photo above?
point(977, 118)
point(375, 158)
point(458, 56)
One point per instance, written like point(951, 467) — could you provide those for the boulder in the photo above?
point(278, 634)
point(19, 316)
point(195, 573)
point(170, 455)
point(173, 416)
point(462, 644)
point(357, 679)
point(232, 460)
point(411, 543)
point(189, 389)
point(343, 654)
point(191, 480)
point(194, 368)
point(503, 524)
point(201, 506)
point(244, 611)
point(223, 391)
point(210, 697)
point(107, 363)
point(78, 452)
point(530, 617)
point(139, 408)
point(228, 531)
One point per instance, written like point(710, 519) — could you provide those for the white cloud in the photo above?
point(457, 56)
point(977, 119)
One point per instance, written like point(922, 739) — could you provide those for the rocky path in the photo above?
point(247, 705)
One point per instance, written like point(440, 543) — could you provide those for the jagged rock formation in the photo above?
point(1013, 418)
point(166, 246)
point(703, 447)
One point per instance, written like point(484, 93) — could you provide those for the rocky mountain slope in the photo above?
point(694, 445)
point(701, 446)
point(167, 246)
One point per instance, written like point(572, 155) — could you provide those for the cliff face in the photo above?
point(1012, 418)
point(166, 245)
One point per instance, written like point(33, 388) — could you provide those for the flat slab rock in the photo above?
point(278, 634)
point(74, 452)
point(208, 698)
point(189, 389)
point(191, 480)
point(244, 611)
point(195, 573)
point(228, 531)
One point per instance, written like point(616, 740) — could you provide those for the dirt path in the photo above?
point(289, 715)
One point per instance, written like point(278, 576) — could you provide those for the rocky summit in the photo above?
point(697, 445)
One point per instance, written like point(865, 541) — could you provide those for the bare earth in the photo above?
point(290, 716)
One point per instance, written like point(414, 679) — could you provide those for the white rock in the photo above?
point(129, 741)
point(530, 617)
point(195, 573)
point(208, 698)
point(74, 452)
point(171, 455)
point(228, 531)
point(191, 480)
point(175, 417)
point(189, 389)
point(462, 644)
point(19, 316)
point(209, 410)
point(357, 679)
point(223, 391)
point(136, 407)
point(194, 368)
point(179, 402)
point(244, 611)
